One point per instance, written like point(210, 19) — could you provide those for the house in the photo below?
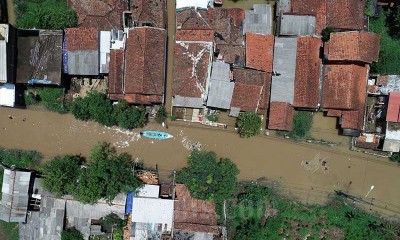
point(192, 18)
point(150, 13)
point(151, 215)
point(227, 25)
point(138, 73)
point(8, 53)
point(345, 90)
point(281, 115)
point(258, 20)
point(221, 86)
point(308, 71)
point(392, 134)
point(101, 15)
point(15, 196)
point(192, 72)
point(202, 4)
point(39, 57)
point(81, 51)
point(368, 141)
point(295, 25)
point(251, 91)
point(259, 51)
point(46, 224)
point(353, 46)
point(193, 218)
point(105, 45)
point(338, 14)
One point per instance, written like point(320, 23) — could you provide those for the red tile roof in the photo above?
point(345, 14)
point(308, 73)
point(116, 72)
point(344, 86)
point(191, 68)
point(281, 116)
point(227, 24)
point(334, 113)
point(81, 39)
point(339, 14)
point(393, 110)
point(315, 8)
point(145, 61)
point(102, 15)
point(193, 215)
point(192, 19)
point(367, 141)
point(251, 91)
point(150, 11)
point(194, 35)
point(259, 51)
point(353, 119)
point(353, 46)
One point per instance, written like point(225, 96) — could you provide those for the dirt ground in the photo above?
point(306, 171)
point(10, 11)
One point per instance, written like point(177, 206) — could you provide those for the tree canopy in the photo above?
point(61, 174)
point(71, 234)
point(208, 178)
point(106, 175)
point(249, 124)
point(96, 106)
point(301, 124)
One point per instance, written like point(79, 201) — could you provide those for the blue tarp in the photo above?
point(40, 81)
point(128, 206)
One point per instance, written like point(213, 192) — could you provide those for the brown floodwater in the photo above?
point(297, 168)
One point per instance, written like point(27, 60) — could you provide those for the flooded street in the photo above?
point(309, 172)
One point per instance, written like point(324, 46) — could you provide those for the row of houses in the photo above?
point(154, 211)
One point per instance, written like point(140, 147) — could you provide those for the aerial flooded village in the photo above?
point(199, 119)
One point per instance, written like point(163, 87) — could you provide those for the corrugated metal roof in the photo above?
point(3, 61)
point(14, 203)
point(83, 62)
point(192, 3)
point(258, 20)
point(221, 88)
point(190, 102)
point(282, 6)
point(150, 191)
point(297, 25)
point(105, 44)
point(285, 51)
point(153, 210)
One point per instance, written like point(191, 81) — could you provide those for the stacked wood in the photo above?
point(148, 177)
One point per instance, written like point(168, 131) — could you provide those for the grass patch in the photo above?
point(389, 56)
point(9, 231)
point(258, 213)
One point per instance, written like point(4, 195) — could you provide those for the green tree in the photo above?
point(393, 22)
point(71, 234)
point(95, 106)
point(161, 114)
point(395, 157)
point(61, 174)
point(249, 230)
point(207, 178)
point(249, 124)
point(106, 176)
point(301, 125)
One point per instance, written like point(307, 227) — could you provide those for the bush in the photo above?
point(173, 117)
point(395, 157)
point(131, 117)
point(301, 125)
point(80, 109)
point(51, 98)
point(46, 14)
point(249, 124)
point(212, 117)
point(161, 115)
point(326, 33)
point(71, 234)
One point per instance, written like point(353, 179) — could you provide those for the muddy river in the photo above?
point(307, 171)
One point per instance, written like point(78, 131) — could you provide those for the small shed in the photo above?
point(7, 95)
point(15, 197)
